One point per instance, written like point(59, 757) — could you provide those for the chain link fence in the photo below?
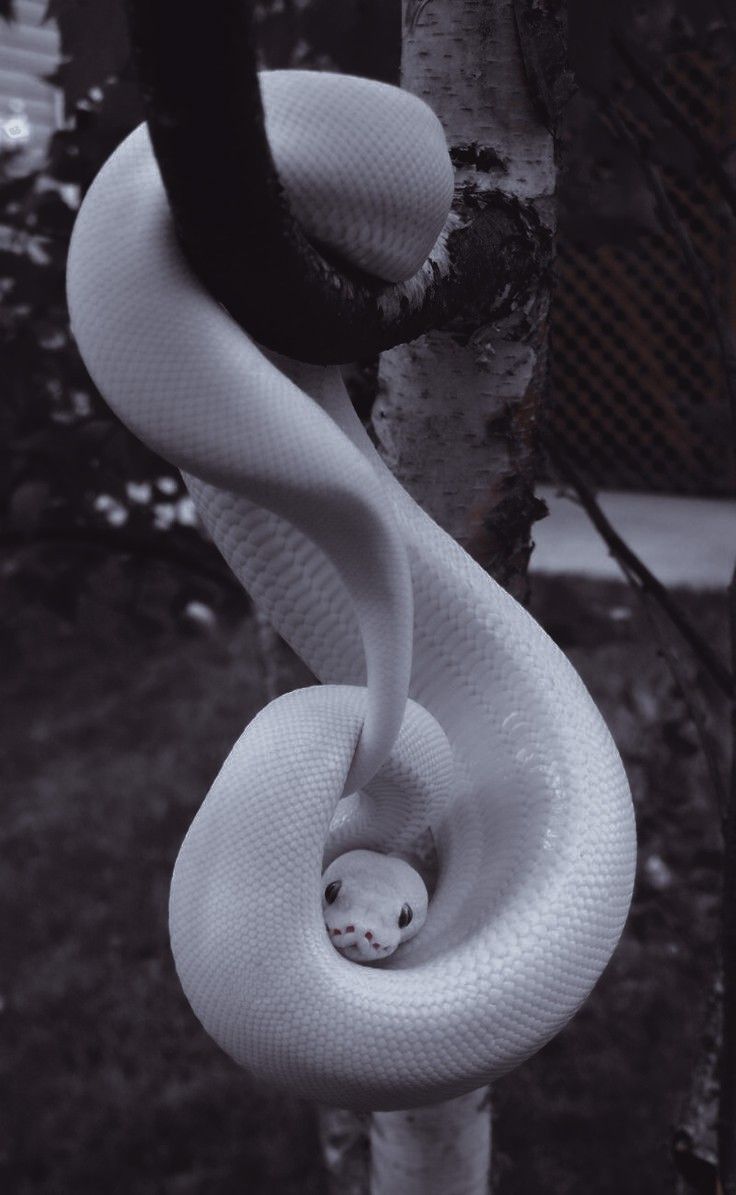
point(637, 385)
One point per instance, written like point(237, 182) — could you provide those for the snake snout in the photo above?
point(359, 944)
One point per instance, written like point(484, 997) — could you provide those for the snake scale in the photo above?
point(499, 748)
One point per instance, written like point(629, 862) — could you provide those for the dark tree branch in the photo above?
point(667, 649)
point(689, 694)
point(714, 1079)
point(631, 563)
point(694, 1144)
point(200, 87)
point(122, 543)
point(727, 1068)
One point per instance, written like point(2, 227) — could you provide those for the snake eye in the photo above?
point(332, 890)
point(405, 916)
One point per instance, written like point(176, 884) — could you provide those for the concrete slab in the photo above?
point(689, 542)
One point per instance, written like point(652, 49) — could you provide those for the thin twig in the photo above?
point(649, 590)
point(628, 560)
point(727, 1070)
point(694, 1142)
point(689, 694)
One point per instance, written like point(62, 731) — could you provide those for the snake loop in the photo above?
point(500, 748)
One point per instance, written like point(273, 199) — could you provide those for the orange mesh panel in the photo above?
point(638, 395)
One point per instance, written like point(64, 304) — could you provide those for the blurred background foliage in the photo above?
point(76, 486)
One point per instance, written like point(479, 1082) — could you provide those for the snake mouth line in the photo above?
point(370, 953)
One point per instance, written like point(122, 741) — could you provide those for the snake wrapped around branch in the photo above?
point(442, 702)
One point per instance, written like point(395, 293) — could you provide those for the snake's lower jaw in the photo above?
point(357, 954)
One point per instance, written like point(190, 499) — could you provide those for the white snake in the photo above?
point(522, 785)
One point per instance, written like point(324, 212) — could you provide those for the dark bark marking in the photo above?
point(507, 544)
point(541, 26)
point(483, 157)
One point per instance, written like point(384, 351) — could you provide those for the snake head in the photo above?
point(372, 903)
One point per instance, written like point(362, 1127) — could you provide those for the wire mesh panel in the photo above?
point(637, 379)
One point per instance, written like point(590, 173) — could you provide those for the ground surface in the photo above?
point(686, 542)
point(110, 737)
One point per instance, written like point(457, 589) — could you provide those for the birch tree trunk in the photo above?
point(455, 420)
point(456, 411)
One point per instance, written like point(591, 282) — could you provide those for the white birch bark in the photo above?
point(444, 1148)
point(455, 420)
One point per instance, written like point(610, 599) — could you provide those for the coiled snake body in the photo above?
point(500, 749)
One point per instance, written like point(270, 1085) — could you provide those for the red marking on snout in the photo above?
point(376, 945)
point(349, 929)
point(369, 935)
point(337, 931)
